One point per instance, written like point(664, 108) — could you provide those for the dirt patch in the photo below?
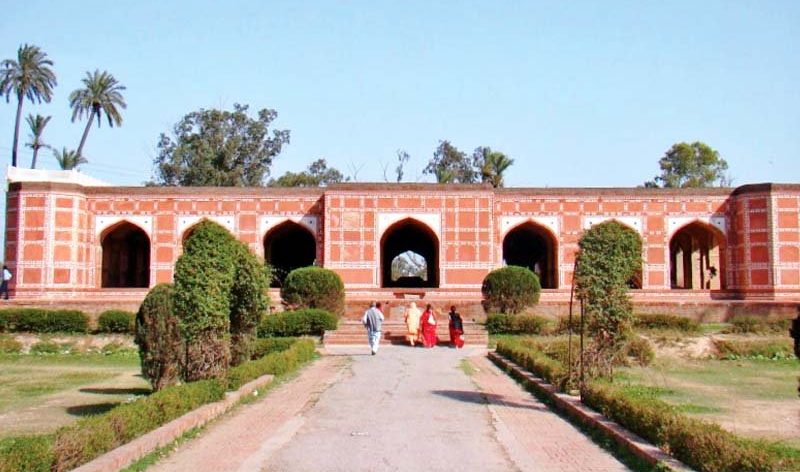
point(695, 347)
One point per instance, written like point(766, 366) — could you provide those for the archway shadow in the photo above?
point(481, 398)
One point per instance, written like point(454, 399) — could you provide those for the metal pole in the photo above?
point(582, 322)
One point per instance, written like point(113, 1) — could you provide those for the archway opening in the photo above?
point(126, 257)
point(409, 240)
point(534, 247)
point(695, 258)
point(287, 247)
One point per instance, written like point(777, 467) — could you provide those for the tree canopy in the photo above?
point(491, 165)
point(101, 94)
point(690, 165)
point(219, 148)
point(449, 165)
point(317, 175)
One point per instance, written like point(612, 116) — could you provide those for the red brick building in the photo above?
point(68, 241)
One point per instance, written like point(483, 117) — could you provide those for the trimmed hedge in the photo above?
point(275, 363)
point(776, 348)
point(536, 361)
point(500, 323)
point(309, 322)
point(701, 445)
point(665, 321)
point(264, 346)
point(26, 453)
point(510, 289)
point(159, 338)
point(37, 320)
point(314, 287)
point(116, 321)
point(249, 301)
point(759, 325)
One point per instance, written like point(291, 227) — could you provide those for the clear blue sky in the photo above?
point(578, 93)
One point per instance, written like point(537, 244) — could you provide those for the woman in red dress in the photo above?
point(427, 323)
point(456, 328)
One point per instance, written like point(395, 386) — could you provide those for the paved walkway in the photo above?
point(404, 409)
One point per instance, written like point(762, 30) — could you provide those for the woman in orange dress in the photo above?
point(427, 323)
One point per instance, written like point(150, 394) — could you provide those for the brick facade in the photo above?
point(749, 237)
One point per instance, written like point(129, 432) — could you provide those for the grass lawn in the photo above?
point(39, 393)
point(755, 398)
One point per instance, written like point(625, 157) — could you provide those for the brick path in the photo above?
point(404, 409)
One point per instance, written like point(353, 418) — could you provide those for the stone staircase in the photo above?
point(394, 332)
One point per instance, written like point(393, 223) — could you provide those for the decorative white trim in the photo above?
point(633, 222)
point(676, 223)
point(269, 222)
point(432, 220)
point(187, 221)
point(509, 222)
point(102, 222)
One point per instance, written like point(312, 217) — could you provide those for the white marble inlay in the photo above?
point(432, 220)
point(308, 221)
point(676, 223)
point(103, 222)
point(509, 222)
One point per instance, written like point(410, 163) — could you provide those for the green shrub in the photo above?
point(158, 337)
point(36, 320)
point(9, 345)
point(314, 287)
point(249, 301)
point(640, 350)
point(90, 437)
point(515, 324)
point(275, 363)
point(204, 275)
point(536, 361)
point(26, 453)
point(563, 325)
point(116, 321)
point(774, 348)
point(510, 289)
point(45, 347)
point(309, 322)
point(665, 321)
point(758, 325)
point(264, 346)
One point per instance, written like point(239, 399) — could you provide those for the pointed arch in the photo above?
point(410, 234)
point(532, 245)
point(697, 257)
point(288, 246)
point(125, 256)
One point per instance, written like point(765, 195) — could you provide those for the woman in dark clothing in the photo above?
point(456, 328)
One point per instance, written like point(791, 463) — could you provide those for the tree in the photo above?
point(158, 337)
point(28, 77)
point(450, 165)
point(102, 94)
point(68, 159)
point(248, 301)
point(317, 175)
point(37, 124)
point(402, 160)
point(219, 148)
point(690, 165)
point(491, 165)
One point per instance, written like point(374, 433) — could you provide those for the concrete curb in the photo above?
point(576, 410)
point(127, 454)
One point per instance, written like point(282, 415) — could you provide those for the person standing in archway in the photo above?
point(427, 324)
point(412, 324)
point(456, 328)
point(373, 320)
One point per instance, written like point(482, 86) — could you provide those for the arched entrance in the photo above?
point(533, 246)
point(411, 240)
point(695, 258)
point(287, 247)
point(126, 257)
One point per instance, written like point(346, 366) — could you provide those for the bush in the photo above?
point(515, 324)
point(248, 303)
point(45, 347)
point(116, 321)
point(314, 287)
point(776, 348)
point(36, 320)
point(640, 350)
point(9, 345)
point(758, 325)
point(264, 346)
point(27, 453)
point(309, 322)
point(158, 337)
point(510, 290)
point(536, 361)
point(563, 325)
point(275, 363)
point(664, 321)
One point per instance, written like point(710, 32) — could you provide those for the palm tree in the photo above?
point(37, 124)
point(492, 165)
point(28, 77)
point(101, 94)
point(68, 159)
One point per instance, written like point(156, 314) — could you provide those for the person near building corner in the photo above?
point(4, 285)
point(456, 328)
point(373, 321)
point(427, 323)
